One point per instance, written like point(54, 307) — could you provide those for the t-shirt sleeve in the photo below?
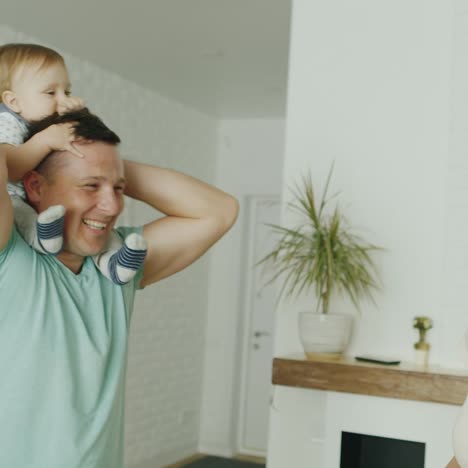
point(11, 131)
point(123, 232)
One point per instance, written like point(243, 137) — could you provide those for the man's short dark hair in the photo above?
point(87, 126)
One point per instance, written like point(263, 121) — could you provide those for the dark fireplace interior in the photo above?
point(366, 451)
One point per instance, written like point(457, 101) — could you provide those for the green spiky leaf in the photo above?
point(321, 254)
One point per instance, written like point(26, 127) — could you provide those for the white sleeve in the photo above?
point(11, 130)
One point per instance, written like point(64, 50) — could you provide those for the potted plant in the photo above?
point(322, 254)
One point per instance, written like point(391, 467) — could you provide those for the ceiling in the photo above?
point(226, 58)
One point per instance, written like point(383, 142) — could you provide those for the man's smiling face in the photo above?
point(91, 189)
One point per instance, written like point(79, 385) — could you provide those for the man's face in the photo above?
point(91, 189)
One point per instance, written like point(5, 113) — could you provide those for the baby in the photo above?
point(34, 84)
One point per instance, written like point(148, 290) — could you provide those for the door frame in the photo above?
point(246, 313)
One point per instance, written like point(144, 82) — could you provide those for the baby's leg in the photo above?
point(43, 232)
point(122, 260)
point(50, 228)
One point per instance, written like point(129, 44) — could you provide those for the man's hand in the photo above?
point(60, 137)
point(72, 103)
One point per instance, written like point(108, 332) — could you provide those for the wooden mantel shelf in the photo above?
point(404, 381)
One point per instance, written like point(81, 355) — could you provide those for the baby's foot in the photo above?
point(50, 229)
point(125, 262)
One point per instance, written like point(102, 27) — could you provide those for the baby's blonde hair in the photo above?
point(15, 57)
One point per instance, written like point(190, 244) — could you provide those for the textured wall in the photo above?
point(166, 344)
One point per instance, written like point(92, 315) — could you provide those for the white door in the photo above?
point(259, 315)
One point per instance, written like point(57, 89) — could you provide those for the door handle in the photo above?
point(260, 333)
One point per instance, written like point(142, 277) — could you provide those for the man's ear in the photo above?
point(10, 100)
point(33, 184)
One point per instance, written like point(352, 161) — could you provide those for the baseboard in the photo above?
point(168, 458)
point(199, 456)
point(216, 450)
point(182, 463)
point(253, 453)
point(250, 458)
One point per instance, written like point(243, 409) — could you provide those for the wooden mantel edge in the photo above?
point(408, 382)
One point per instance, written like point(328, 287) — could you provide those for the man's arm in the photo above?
point(6, 209)
point(453, 463)
point(197, 215)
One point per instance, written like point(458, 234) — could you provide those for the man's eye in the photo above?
point(50, 93)
point(119, 189)
point(67, 92)
point(91, 186)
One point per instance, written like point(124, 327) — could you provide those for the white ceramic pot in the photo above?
point(324, 335)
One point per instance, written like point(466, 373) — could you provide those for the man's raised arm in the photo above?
point(6, 209)
point(197, 215)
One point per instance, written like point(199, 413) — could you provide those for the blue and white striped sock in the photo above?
point(50, 229)
point(125, 262)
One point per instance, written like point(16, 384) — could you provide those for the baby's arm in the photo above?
point(24, 158)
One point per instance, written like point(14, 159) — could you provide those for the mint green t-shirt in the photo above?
point(63, 349)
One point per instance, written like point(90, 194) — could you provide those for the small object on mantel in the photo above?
point(422, 347)
point(378, 359)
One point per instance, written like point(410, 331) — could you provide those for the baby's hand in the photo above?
point(72, 103)
point(60, 137)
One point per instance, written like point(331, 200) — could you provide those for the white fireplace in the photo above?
point(316, 401)
point(428, 423)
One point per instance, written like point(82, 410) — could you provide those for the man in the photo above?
point(63, 326)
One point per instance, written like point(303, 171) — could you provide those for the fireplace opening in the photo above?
point(366, 451)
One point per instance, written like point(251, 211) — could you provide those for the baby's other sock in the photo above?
point(122, 265)
point(50, 229)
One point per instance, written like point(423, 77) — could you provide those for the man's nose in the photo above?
point(109, 202)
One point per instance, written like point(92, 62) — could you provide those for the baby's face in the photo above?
point(40, 92)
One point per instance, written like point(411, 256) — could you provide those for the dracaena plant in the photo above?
point(321, 253)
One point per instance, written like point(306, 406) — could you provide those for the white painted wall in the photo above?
point(377, 103)
point(250, 158)
point(380, 88)
point(167, 335)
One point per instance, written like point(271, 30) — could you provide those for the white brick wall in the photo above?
point(166, 344)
